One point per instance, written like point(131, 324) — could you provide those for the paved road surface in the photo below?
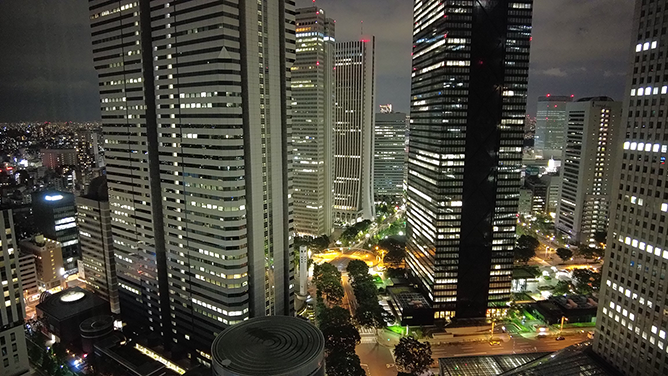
point(375, 358)
point(514, 346)
point(349, 300)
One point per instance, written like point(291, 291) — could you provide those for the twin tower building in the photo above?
point(230, 127)
point(233, 126)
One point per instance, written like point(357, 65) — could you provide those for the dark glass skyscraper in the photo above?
point(468, 99)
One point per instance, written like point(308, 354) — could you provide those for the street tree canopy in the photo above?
point(526, 248)
point(357, 268)
point(412, 356)
point(327, 280)
point(344, 364)
point(564, 253)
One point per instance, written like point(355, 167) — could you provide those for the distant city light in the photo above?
point(53, 198)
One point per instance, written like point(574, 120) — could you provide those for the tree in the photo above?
point(35, 353)
point(412, 356)
point(586, 281)
point(327, 280)
point(524, 254)
point(333, 317)
point(396, 250)
point(561, 288)
point(526, 248)
point(357, 268)
point(395, 272)
point(344, 364)
point(48, 365)
point(342, 338)
point(529, 242)
point(591, 252)
point(564, 253)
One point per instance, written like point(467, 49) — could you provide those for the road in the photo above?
point(375, 359)
point(349, 300)
point(376, 229)
point(515, 346)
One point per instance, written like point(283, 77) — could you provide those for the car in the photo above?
point(560, 338)
point(590, 335)
point(494, 343)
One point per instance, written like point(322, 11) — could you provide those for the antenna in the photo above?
point(362, 28)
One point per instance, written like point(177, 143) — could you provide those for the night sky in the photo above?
point(580, 47)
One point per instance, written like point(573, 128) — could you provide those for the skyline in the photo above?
point(64, 87)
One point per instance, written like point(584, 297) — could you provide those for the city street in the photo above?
point(514, 346)
point(349, 300)
point(375, 359)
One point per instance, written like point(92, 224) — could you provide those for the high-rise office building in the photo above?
point(14, 355)
point(587, 162)
point(354, 111)
point(98, 264)
point(312, 121)
point(195, 109)
point(389, 157)
point(550, 129)
point(54, 214)
point(48, 262)
point(632, 322)
point(468, 100)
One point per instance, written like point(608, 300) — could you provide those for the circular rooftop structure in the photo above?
point(72, 296)
point(269, 346)
point(97, 325)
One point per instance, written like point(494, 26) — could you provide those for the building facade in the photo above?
point(586, 168)
point(468, 100)
point(632, 322)
point(54, 158)
point(195, 100)
point(312, 121)
point(389, 159)
point(13, 350)
point(354, 111)
point(98, 264)
point(550, 128)
point(48, 262)
point(54, 214)
point(28, 278)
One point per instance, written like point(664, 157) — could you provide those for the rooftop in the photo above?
point(71, 302)
point(574, 360)
point(285, 346)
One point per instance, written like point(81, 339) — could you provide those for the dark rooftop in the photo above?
point(485, 365)
point(574, 360)
point(71, 302)
point(273, 345)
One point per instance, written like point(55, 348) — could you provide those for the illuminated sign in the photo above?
point(53, 198)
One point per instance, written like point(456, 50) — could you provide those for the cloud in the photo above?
point(48, 42)
point(557, 72)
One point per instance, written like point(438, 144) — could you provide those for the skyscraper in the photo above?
point(468, 99)
point(354, 111)
point(54, 214)
point(312, 121)
point(195, 110)
point(14, 355)
point(586, 168)
point(97, 248)
point(389, 157)
point(551, 122)
point(632, 322)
